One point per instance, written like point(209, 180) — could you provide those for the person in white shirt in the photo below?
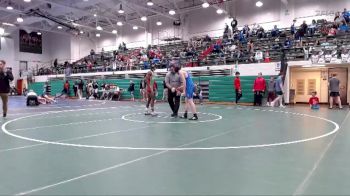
point(32, 98)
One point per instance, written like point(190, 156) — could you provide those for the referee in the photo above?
point(5, 78)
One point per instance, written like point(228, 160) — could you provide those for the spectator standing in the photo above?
point(66, 89)
point(102, 54)
point(165, 91)
point(75, 88)
point(334, 84)
point(238, 88)
point(92, 54)
point(198, 94)
point(271, 89)
point(293, 28)
point(303, 29)
point(80, 88)
point(234, 24)
point(142, 91)
point(279, 92)
point(259, 89)
point(131, 90)
point(5, 78)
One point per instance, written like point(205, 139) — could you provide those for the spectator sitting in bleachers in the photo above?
point(324, 29)
point(217, 48)
point(246, 30)
point(250, 46)
point(288, 43)
point(242, 37)
point(343, 28)
point(312, 28)
point(260, 33)
point(275, 31)
point(332, 31)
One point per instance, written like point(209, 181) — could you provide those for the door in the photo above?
point(304, 82)
point(342, 75)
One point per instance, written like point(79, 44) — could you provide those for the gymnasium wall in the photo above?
point(206, 21)
point(80, 47)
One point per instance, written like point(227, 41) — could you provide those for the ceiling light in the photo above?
point(98, 35)
point(172, 12)
point(121, 11)
point(144, 18)
point(119, 23)
point(159, 23)
point(59, 27)
point(38, 33)
point(8, 24)
point(9, 7)
point(114, 31)
point(27, 1)
point(81, 32)
point(219, 11)
point(205, 5)
point(99, 28)
point(135, 27)
point(259, 4)
point(86, 0)
point(20, 19)
point(150, 3)
point(2, 31)
point(95, 15)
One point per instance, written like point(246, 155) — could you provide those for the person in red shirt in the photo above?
point(65, 91)
point(314, 101)
point(237, 84)
point(259, 89)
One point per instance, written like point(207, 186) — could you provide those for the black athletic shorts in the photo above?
point(334, 94)
point(279, 93)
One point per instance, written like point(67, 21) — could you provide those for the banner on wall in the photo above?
point(30, 42)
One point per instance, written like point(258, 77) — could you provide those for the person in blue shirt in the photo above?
point(288, 43)
point(293, 29)
point(188, 89)
point(344, 27)
point(275, 31)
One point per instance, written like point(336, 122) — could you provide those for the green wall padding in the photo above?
point(220, 88)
